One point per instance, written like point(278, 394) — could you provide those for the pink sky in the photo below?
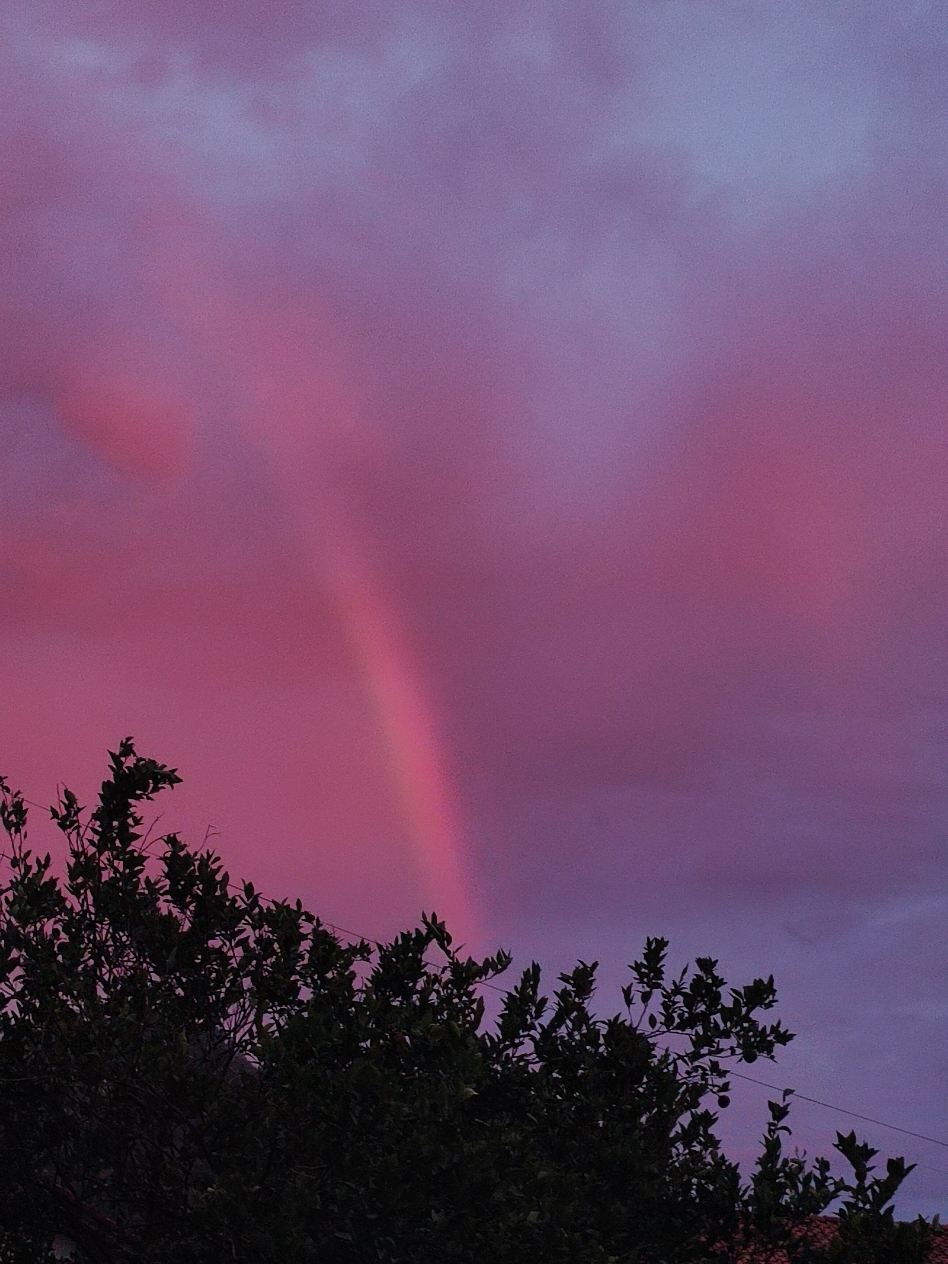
point(498, 453)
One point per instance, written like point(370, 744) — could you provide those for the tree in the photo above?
point(191, 1073)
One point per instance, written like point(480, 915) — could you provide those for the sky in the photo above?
point(497, 452)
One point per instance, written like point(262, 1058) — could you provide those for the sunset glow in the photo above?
point(498, 453)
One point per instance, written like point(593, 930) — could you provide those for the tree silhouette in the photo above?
point(192, 1073)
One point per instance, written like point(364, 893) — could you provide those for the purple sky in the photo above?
point(498, 453)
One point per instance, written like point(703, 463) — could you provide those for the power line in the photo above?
point(841, 1109)
point(803, 1097)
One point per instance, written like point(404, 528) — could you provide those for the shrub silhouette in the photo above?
point(192, 1073)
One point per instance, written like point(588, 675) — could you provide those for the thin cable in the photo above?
point(842, 1110)
point(803, 1097)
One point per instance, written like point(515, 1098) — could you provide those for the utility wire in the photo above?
point(803, 1097)
point(841, 1109)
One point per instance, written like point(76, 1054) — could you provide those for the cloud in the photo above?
point(605, 350)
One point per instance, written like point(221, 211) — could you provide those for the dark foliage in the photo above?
point(191, 1073)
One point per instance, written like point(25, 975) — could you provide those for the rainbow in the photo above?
point(408, 731)
point(294, 409)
